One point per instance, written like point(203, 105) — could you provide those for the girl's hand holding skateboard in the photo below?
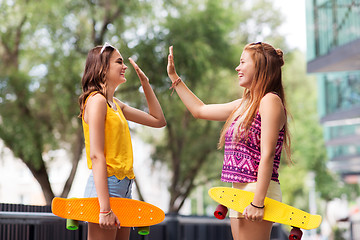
point(109, 220)
point(253, 214)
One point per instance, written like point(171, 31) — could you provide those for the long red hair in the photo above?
point(267, 78)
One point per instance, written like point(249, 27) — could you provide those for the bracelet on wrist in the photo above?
point(256, 206)
point(106, 213)
point(174, 84)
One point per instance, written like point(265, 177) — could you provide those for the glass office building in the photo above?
point(333, 54)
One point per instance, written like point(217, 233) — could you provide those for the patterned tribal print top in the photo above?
point(242, 158)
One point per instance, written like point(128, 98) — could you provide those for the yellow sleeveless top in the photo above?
point(118, 148)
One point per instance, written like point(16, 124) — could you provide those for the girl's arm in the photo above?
point(272, 121)
point(155, 117)
point(95, 113)
point(216, 112)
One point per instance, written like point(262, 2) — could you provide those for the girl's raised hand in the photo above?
point(171, 66)
point(139, 72)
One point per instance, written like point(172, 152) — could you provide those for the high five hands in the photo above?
point(171, 66)
point(139, 72)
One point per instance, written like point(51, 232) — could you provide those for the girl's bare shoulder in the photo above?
point(271, 101)
point(96, 98)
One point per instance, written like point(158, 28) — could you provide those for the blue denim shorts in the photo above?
point(117, 188)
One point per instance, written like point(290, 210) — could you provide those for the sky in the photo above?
point(294, 25)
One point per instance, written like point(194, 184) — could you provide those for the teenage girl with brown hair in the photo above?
point(107, 136)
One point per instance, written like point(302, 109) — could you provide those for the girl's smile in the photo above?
point(245, 70)
point(117, 68)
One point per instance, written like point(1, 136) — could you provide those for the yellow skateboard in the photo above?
point(131, 213)
point(274, 211)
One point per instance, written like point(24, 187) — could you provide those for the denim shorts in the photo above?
point(117, 188)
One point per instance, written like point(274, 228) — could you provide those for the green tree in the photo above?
point(308, 149)
point(21, 127)
point(308, 146)
point(208, 37)
point(43, 47)
point(42, 53)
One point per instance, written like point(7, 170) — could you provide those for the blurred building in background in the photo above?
point(333, 54)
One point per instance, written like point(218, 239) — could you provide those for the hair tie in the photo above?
point(256, 206)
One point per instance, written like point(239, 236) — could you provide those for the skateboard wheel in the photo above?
point(72, 224)
point(220, 211)
point(143, 230)
point(295, 234)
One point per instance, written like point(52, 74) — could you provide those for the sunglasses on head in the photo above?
point(106, 44)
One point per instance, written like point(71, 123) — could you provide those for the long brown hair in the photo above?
point(94, 77)
point(267, 78)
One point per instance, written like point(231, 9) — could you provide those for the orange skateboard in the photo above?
point(274, 211)
point(131, 213)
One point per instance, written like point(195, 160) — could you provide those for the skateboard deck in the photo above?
point(131, 213)
point(274, 211)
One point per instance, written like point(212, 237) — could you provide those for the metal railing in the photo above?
point(43, 225)
point(36, 226)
